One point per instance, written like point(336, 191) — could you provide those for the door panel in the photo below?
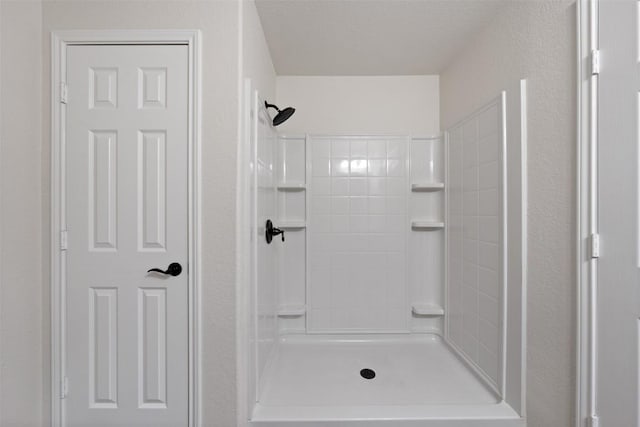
point(127, 212)
point(618, 269)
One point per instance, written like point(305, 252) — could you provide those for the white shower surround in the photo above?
point(309, 352)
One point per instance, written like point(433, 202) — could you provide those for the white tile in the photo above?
point(488, 282)
point(340, 148)
point(488, 203)
point(358, 224)
point(470, 203)
point(488, 229)
point(377, 149)
point(321, 167)
point(340, 186)
point(470, 178)
point(489, 148)
point(359, 149)
point(377, 186)
point(359, 167)
point(396, 149)
point(489, 256)
point(321, 223)
point(340, 167)
point(488, 176)
point(340, 223)
point(359, 205)
point(396, 205)
point(377, 205)
point(320, 205)
point(377, 167)
point(358, 187)
point(377, 223)
point(489, 309)
point(339, 205)
point(396, 186)
point(321, 186)
point(321, 149)
point(470, 227)
point(395, 167)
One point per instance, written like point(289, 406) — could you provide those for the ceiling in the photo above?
point(370, 37)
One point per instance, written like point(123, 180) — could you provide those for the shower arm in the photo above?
point(267, 106)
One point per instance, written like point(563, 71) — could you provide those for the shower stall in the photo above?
point(394, 295)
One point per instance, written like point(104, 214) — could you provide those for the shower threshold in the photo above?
point(318, 380)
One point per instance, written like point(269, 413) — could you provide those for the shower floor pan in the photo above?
point(316, 380)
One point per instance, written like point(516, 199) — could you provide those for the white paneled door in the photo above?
point(126, 167)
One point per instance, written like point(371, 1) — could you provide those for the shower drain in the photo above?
point(368, 374)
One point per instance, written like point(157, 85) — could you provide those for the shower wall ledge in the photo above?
point(485, 415)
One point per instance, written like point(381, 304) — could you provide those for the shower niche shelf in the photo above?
point(292, 186)
point(426, 224)
point(427, 186)
point(292, 224)
point(292, 311)
point(427, 310)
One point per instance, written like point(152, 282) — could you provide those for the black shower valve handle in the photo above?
point(277, 231)
point(271, 231)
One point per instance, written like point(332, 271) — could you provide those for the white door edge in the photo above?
point(586, 201)
point(59, 42)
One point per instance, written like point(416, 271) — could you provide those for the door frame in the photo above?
point(586, 211)
point(60, 40)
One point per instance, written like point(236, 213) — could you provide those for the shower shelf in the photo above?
point(424, 224)
point(427, 186)
point(292, 186)
point(292, 224)
point(292, 311)
point(427, 310)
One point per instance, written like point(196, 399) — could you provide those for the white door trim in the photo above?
point(586, 215)
point(59, 42)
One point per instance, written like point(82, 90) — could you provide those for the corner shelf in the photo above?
point(426, 224)
point(292, 186)
point(427, 310)
point(427, 186)
point(291, 224)
point(292, 311)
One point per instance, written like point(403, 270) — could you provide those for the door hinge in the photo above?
point(595, 245)
point(593, 421)
point(64, 388)
point(595, 62)
point(64, 242)
point(63, 93)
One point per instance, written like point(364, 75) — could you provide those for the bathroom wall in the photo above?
point(23, 308)
point(225, 50)
point(535, 40)
point(360, 104)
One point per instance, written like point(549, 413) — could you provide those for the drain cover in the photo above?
point(368, 374)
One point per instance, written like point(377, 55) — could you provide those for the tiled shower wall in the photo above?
point(357, 225)
point(475, 243)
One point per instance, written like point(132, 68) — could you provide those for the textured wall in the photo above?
point(21, 299)
point(536, 41)
point(360, 104)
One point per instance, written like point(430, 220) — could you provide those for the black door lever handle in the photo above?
point(174, 269)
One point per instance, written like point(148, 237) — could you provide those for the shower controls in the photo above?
point(271, 231)
point(174, 269)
